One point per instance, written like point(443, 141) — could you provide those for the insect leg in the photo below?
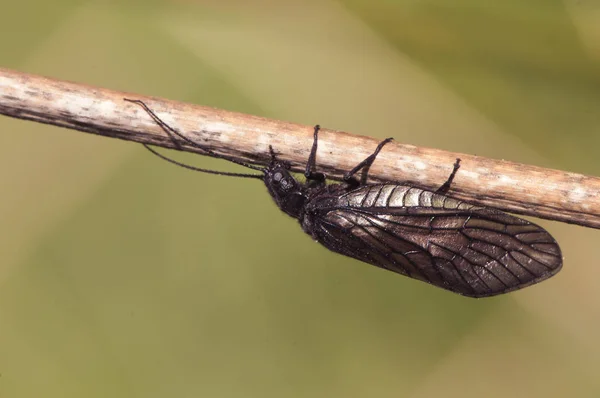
point(272, 153)
point(349, 176)
point(312, 159)
point(443, 190)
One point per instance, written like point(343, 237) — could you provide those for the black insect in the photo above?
point(470, 250)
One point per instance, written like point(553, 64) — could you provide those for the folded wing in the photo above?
point(470, 250)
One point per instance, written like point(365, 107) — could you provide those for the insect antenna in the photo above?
point(171, 132)
point(208, 171)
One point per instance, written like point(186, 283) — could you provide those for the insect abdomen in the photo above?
point(397, 196)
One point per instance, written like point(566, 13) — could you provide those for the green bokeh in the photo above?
point(122, 275)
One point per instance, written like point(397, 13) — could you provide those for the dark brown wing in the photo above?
point(470, 250)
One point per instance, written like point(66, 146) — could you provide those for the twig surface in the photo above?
point(512, 187)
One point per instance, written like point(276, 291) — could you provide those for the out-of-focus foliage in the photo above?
point(121, 275)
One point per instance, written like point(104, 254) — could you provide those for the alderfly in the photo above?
point(470, 250)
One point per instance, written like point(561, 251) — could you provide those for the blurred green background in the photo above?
point(123, 276)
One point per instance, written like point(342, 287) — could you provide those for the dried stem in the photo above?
point(513, 187)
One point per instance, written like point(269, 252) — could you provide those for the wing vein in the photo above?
point(414, 264)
